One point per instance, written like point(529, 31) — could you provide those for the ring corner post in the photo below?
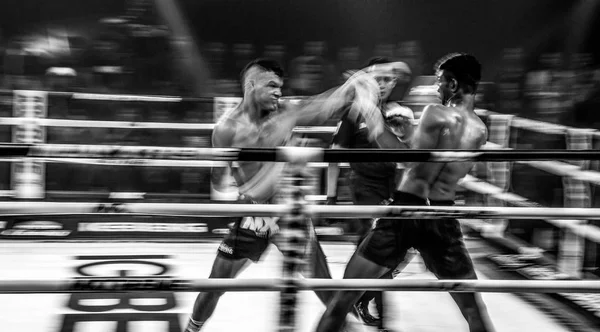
point(293, 232)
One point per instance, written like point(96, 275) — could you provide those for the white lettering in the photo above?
point(226, 249)
point(590, 301)
point(329, 231)
point(259, 224)
point(142, 227)
point(220, 231)
point(38, 225)
point(542, 273)
point(26, 232)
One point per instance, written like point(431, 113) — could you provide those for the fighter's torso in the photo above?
point(258, 179)
point(462, 130)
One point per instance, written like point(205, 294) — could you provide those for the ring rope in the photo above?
point(14, 121)
point(589, 232)
point(151, 162)
point(131, 195)
point(534, 125)
point(555, 167)
point(323, 211)
point(125, 97)
point(279, 153)
point(109, 285)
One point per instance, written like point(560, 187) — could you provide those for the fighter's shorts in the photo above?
point(439, 241)
point(249, 237)
point(369, 191)
point(245, 240)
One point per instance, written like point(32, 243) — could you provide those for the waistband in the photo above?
point(434, 202)
point(404, 198)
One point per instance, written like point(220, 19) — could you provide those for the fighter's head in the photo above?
point(457, 74)
point(387, 73)
point(262, 80)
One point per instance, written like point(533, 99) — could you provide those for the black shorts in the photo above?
point(439, 241)
point(366, 191)
point(245, 240)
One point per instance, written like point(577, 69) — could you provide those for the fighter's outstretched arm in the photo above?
point(360, 92)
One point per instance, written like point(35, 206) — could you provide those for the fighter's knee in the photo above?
point(211, 296)
point(341, 304)
point(338, 310)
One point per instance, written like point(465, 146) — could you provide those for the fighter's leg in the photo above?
point(316, 262)
point(366, 193)
point(358, 267)
point(362, 305)
point(317, 265)
point(449, 259)
point(382, 250)
point(206, 302)
point(236, 251)
point(474, 311)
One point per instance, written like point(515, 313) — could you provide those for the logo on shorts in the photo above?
point(262, 226)
point(226, 249)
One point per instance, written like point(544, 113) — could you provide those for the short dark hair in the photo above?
point(463, 67)
point(377, 60)
point(265, 64)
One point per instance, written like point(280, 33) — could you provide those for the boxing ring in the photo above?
point(293, 207)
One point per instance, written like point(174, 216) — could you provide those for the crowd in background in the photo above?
point(138, 58)
point(554, 87)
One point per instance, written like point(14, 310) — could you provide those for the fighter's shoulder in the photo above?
point(224, 131)
point(483, 132)
point(290, 103)
point(288, 107)
point(434, 113)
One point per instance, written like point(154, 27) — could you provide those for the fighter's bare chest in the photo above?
point(270, 134)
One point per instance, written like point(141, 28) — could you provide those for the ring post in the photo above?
point(294, 227)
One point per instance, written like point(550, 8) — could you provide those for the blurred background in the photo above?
point(529, 49)
point(541, 68)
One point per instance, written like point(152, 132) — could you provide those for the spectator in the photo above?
point(311, 73)
point(242, 54)
point(384, 51)
point(546, 89)
point(276, 52)
point(411, 53)
point(510, 81)
point(215, 52)
point(348, 60)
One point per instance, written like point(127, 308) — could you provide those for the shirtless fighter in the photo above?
point(263, 120)
point(453, 125)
